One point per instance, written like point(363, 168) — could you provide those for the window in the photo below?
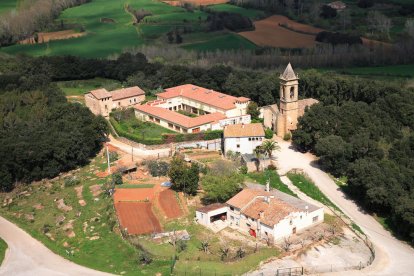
point(231, 218)
point(119, 103)
point(315, 219)
point(135, 100)
point(292, 92)
point(232, 208)
point(250, 139)
point(238, 146)
point(290, 222)
point(202, 215)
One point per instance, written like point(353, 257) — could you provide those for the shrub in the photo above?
point(338, 38)
point(243, 169)
point(113, 156)
point(268, 133)
point(271, 167)
point(144, 258)
point(158, 168)
point(117, 179)
point(181, 246)
point(328, 12)
point(287, 136)
point(366, 3)
point(71, 181)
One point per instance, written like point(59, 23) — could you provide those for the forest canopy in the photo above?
point(41, 134)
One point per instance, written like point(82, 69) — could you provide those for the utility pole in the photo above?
point(107, 155)
point(132, 153)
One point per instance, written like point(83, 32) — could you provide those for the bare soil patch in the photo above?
point(137, 218)
point(169, 204)
point(269, 32)
point(46, 37)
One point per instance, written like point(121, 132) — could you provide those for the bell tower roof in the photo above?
point(289, 74)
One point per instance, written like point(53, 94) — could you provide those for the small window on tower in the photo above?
point(292, 92)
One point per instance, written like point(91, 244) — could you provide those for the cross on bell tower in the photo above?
point(288, 112)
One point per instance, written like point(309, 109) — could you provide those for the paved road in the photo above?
point(393, 257)
point(27, 256)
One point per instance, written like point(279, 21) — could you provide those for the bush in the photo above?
point(366, 3)
point(117, 179)
point(113, 156)
point(158, 168)
point(144, 258)
point(71, 181)
point(287, 136)
point(338, 38)
point(181, 246)
point(271, 167)
point(243, 169)
point(268, 133)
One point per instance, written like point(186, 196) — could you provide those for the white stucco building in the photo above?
point(243, 138)
point(265, 214)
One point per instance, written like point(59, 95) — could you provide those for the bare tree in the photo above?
point(287, 243)
point(409, 27)
point(205, 245)
point(377, 22)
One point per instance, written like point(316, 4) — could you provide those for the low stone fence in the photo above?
point(203, 144)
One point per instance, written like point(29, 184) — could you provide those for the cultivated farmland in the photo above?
point(279, 31)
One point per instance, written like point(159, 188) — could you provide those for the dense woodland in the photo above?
point(41, 134)
point(364, 131)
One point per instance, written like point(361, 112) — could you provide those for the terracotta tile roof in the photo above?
point(241, 130)
point(100, 93)
point(289, 74)
point(211, 207)
point(179, 119)
point(269, 213)
point(203, 95)
point(245, 196)
point(127, 93)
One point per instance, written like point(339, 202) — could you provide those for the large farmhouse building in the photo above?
point(284, 119)
point(243, 138)
point(101, 101)
point(266, 214)
point(212, 110)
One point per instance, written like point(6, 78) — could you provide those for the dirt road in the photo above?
point(393, 257)
point(27, 256)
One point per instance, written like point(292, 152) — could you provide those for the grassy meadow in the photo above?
point(3, 248)
point(104, 39)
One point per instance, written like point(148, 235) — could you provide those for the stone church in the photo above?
point(283, 119)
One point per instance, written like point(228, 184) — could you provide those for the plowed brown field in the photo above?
point(46, 37)
point(137, 218)
point(268, 32)
point(169, 204)
point(143, 194)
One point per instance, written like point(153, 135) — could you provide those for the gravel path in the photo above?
point(393, 257)
point(27, 256)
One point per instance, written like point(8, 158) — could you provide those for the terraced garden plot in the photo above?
point(137, 218)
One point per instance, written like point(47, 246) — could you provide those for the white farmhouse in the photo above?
point(243, 138)
point(270, 215)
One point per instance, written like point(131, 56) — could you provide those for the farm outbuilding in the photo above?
point(211, 213)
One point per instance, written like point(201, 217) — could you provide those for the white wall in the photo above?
point(204, 218)
point(242, 144)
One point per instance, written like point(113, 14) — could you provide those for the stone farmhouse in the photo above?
point(267, 214)
point(243, 138)
point(214, 110)
point(102, 102)
point(283, 119)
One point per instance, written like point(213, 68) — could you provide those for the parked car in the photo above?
point(166, 184)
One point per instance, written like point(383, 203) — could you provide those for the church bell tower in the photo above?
point(289, 109)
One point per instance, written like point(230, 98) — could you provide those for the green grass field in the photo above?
point(229, 41)
point(275, 181)
point(8, 5)
point(3, 248)
point(106, 39)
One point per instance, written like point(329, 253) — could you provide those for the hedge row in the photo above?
point(123, 133)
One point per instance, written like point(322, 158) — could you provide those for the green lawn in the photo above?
point(141, 132)
point(3, 248)
point(80, 87)
point(107, 253)
point(229, 41)
point(8, 5)
point(251, 13)
point(275, 182)
point(309, 188)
